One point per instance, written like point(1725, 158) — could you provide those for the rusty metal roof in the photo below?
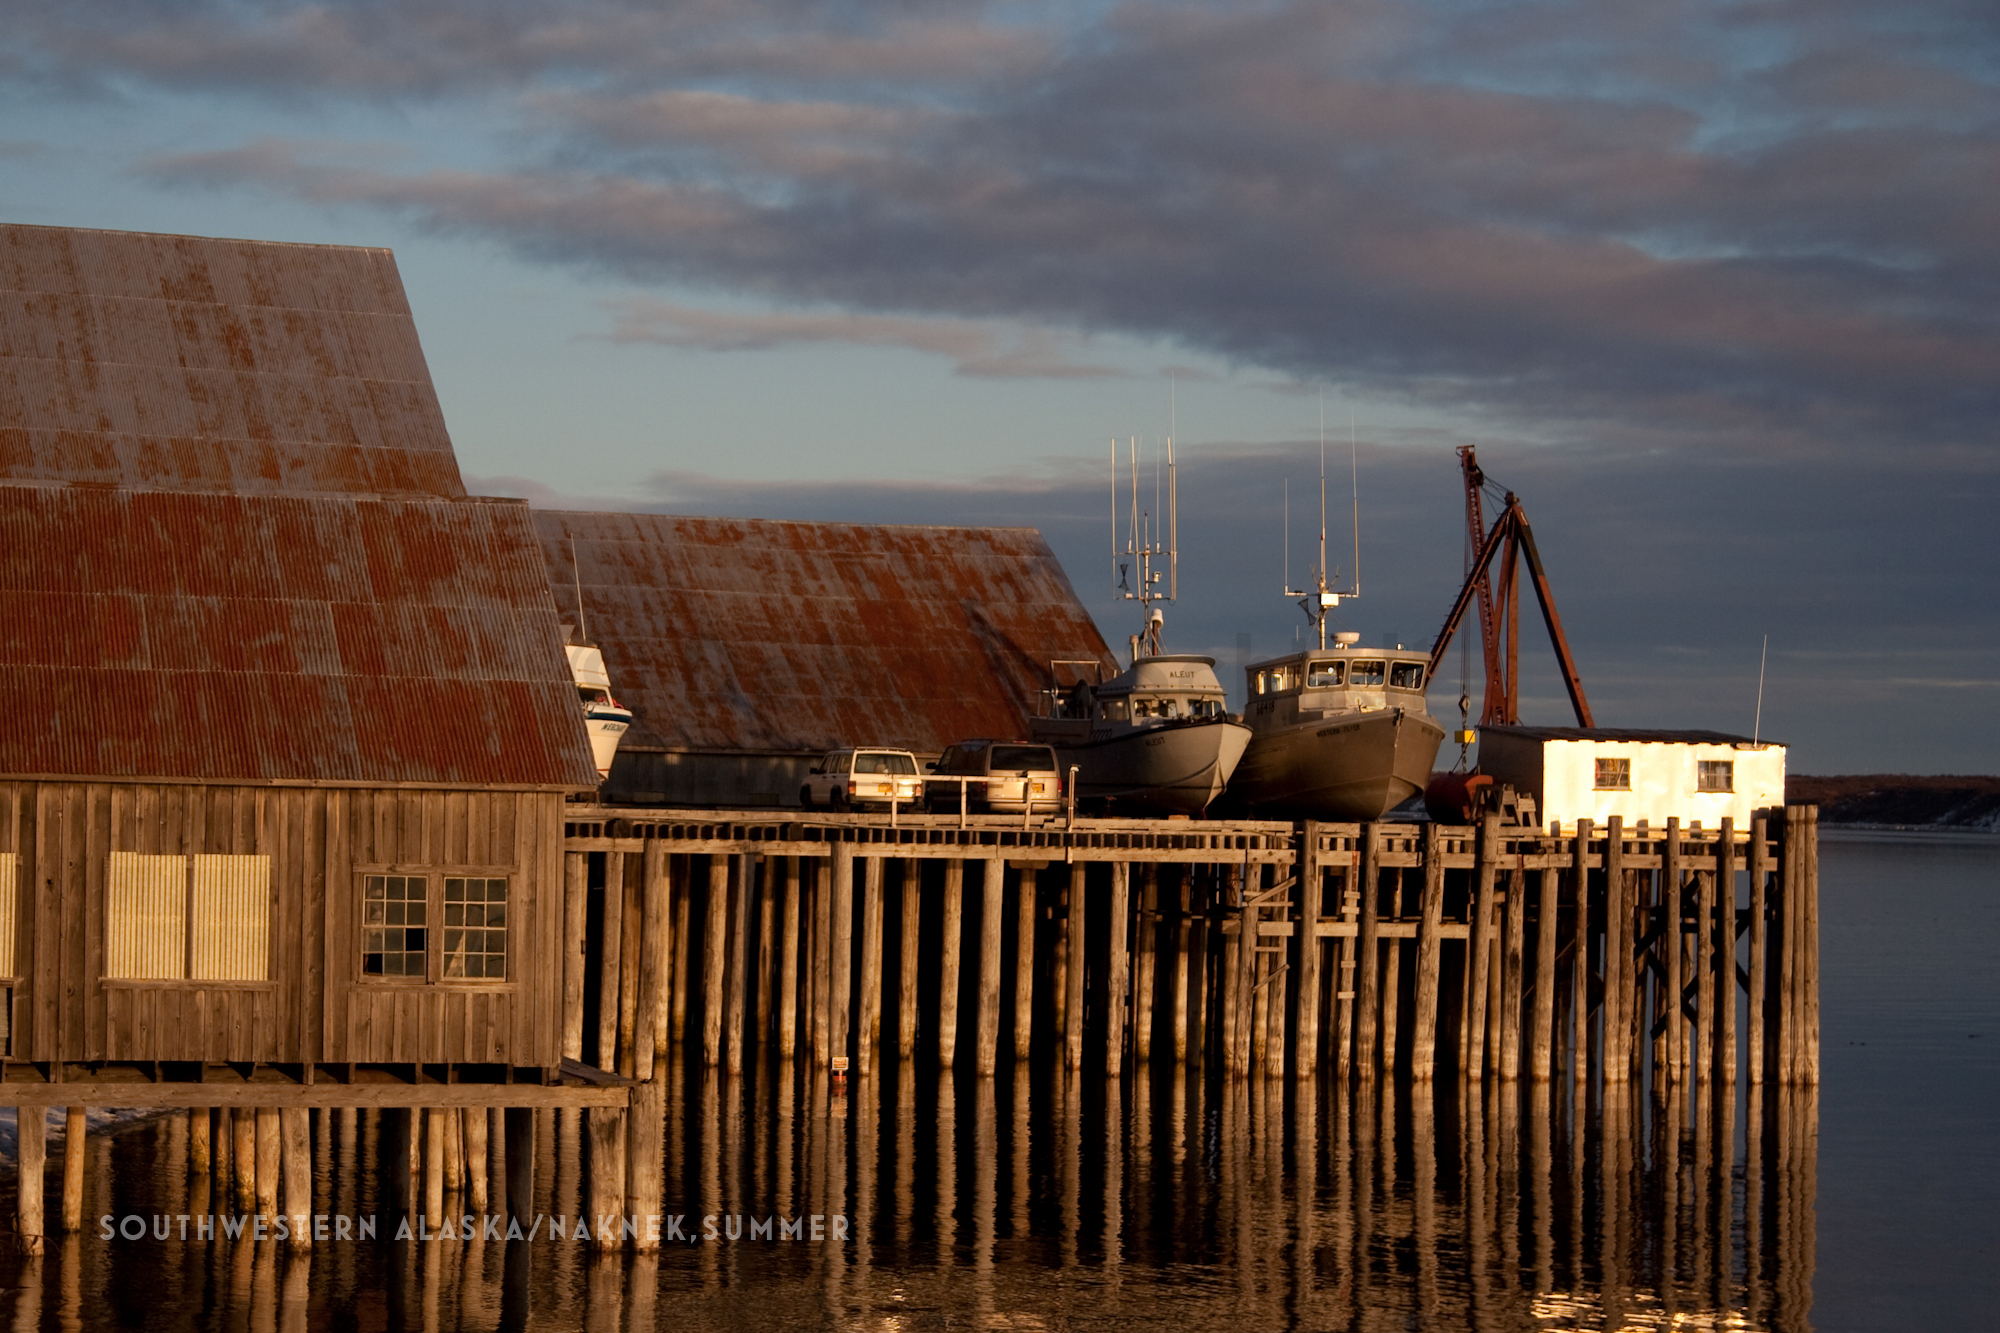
point(186, 363)
point(745, 634)
point(161, 634)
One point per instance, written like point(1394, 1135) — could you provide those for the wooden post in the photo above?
point(1390, 988)
point(478, 1199)
point(1513, 974)
point(739, 960)
point(1617, 953)
point(434, 1123)
point(1024, 966)
point(1543, 1033)
point(1368, 988)
point(604, 1185)
point(520, 1121)
point(1115, 972)
point(1672, 946)
point(243, 1158)
point(1182, 936)
point(610, 948)
point(714, 959)
point(1704, 971)
point(1479, 943)
point(1146, 966)
point(840, 950)
point(1347, 953)
point(1308, 893)
point(31, 1157)
point(454, 1152)
point(683, 928)
point(952, 943)
point(1725, 962)
point(869, 1031)
point(74, 1133)
point(652, 961)
point(1580, 958)
point(993, 877)
point(270, 1160)
point(788, 962)
point(1231, 989)
point(645, 1152)
point(632, 874)
point(906, 970)
point(1073, 933)
point(1760, 870)
point(770, 871)
point(575, 903)
point(1430, 954)
point(1809, 1072)
point(295, 1128)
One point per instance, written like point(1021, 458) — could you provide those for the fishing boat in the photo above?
point(603, 716)
point(1156, 738)
point(1338, 732)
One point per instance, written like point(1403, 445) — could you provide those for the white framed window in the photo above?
point(1715, 775)
point(1614, 775)
point(420, 927)
point(187, 918)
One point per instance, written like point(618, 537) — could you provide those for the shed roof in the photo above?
point(280, 638)
point(757, 635)
point(187, 363)
point(1635, 735)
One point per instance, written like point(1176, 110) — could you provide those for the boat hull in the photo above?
point(1176, 769)
point(1352, 766)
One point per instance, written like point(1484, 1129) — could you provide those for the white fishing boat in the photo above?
point(603, 716)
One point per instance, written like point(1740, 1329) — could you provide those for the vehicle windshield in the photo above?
point(1010, 757)
point(900, 765)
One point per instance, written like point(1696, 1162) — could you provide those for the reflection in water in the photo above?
point(1039, 1200)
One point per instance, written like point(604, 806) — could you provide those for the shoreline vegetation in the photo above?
point(1901, 800)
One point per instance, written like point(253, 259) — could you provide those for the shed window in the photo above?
point(475, 928)
point(1715, 775)
point(1614, 775)
point(192, 918)
point(395, 916)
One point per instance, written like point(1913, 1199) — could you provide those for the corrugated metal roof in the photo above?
point(1636, 735)
point(187, 363)
point(744, 634)
point(164, 634)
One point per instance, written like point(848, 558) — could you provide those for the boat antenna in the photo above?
point(1354, 479)
point(1757, 726)
point(582, 632)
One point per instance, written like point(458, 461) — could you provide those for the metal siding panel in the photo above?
point(145, 915)
point(10, 906)
point(231, 936)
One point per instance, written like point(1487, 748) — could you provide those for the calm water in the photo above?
point(1033, 1202)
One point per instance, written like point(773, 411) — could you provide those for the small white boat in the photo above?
point(603, 716)
point(1157, 737)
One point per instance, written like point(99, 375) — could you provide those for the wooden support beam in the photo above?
point(790, 921)
point(1704, 976)
point(1809, 1061)
point(714, 960)
point(31, 1149)
point(1308, 897)
point(1115, 976)
point(434, 1131)
point(75, 1131)
point(906, 968)
point(840, 951)
point(1480, 947)
point(645, 1154)
point(1074, 921)
point(1430, 957)
point(478, 1194)
point(604, 1180)
point(683, 947)
point(738, 967)
point(869, 1033)
point(1182, 942)
point(1024, 965)
point(295, 1131)
point(200, 1154)
point(520, 1123)
point(1617, 954)
point(1725, 940)
point(991, 903)
point(952, 944)
point(243, 1158)
point(1548, 893)
point(1367, 999)
point(1391, 985)
point(1673, 946)
point(610, 948)
point(575, 905)
point(454, 1150)
point(1347, 959)
point(631, 920)
point(651, 997)
point(1513, 975)
point(1145, 975)
point(769, 878)
point(1579, 989)
point(1760, 871)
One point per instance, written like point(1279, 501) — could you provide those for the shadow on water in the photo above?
point(1033, 1200)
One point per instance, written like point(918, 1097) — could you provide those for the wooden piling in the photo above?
point(1367, 999)
point(1809, 1055)
point(1390, 988)
point(645, 1153)
point(906, 968)
point(1430, 955)
point(714, 959)
point(1672, 949)
point(199, 1155)
point(1579, 882)
point(991, 877)
point(952, 943)
point(1725, 962)
point(1145, 967)
point(788, 962)
point(1760, 871)
point(1513, 978)
point(576, 903)
point(1024, 964)
point(520, 1122)
point(1308, 895)
point(243, 1158)
point(869, 1026)
point(840, 950)
point(1073, 935)
point(454, 1151)
point(770, 872)
point(1703, 1055)
point(1541, 1033)
point(1617, 952)
point(434, 1129)
point(472, 1126)
point(74, 1147)
point(295, 1131)
point(610, 946)
point(1479, 944)
point(31, 1126)
point(1115, 975)
point(631, 872)
point(604, 1184)
point(1346, 956)
point(683, 929)
point(1182, 936)
point(737, 975)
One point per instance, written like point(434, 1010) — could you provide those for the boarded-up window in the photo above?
point(475, 928)
point(1614, 775)
point(10, 900)
point(1715, 775)
point(231, 938)
point(145, 917)
point(395, 912)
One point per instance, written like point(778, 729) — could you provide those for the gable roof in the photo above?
point(756, 635)
point(186, 363)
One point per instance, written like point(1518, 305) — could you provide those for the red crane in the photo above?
point(1500, 604)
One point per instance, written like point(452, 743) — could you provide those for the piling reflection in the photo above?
point(1037, 1198)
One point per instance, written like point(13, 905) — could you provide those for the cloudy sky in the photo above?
point(1711, 285)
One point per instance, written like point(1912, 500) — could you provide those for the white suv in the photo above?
point(851, 777)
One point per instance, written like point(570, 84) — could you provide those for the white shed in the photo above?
point(1594, 773)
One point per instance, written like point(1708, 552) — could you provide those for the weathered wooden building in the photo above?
point(285, 723)
point(747, 647)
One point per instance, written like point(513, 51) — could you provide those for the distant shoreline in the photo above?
point(1901, 802)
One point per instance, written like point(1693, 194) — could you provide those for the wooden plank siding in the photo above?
point(315, 1007)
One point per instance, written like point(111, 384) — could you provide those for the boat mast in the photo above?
point(1152, 549)
point(1322, 597)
